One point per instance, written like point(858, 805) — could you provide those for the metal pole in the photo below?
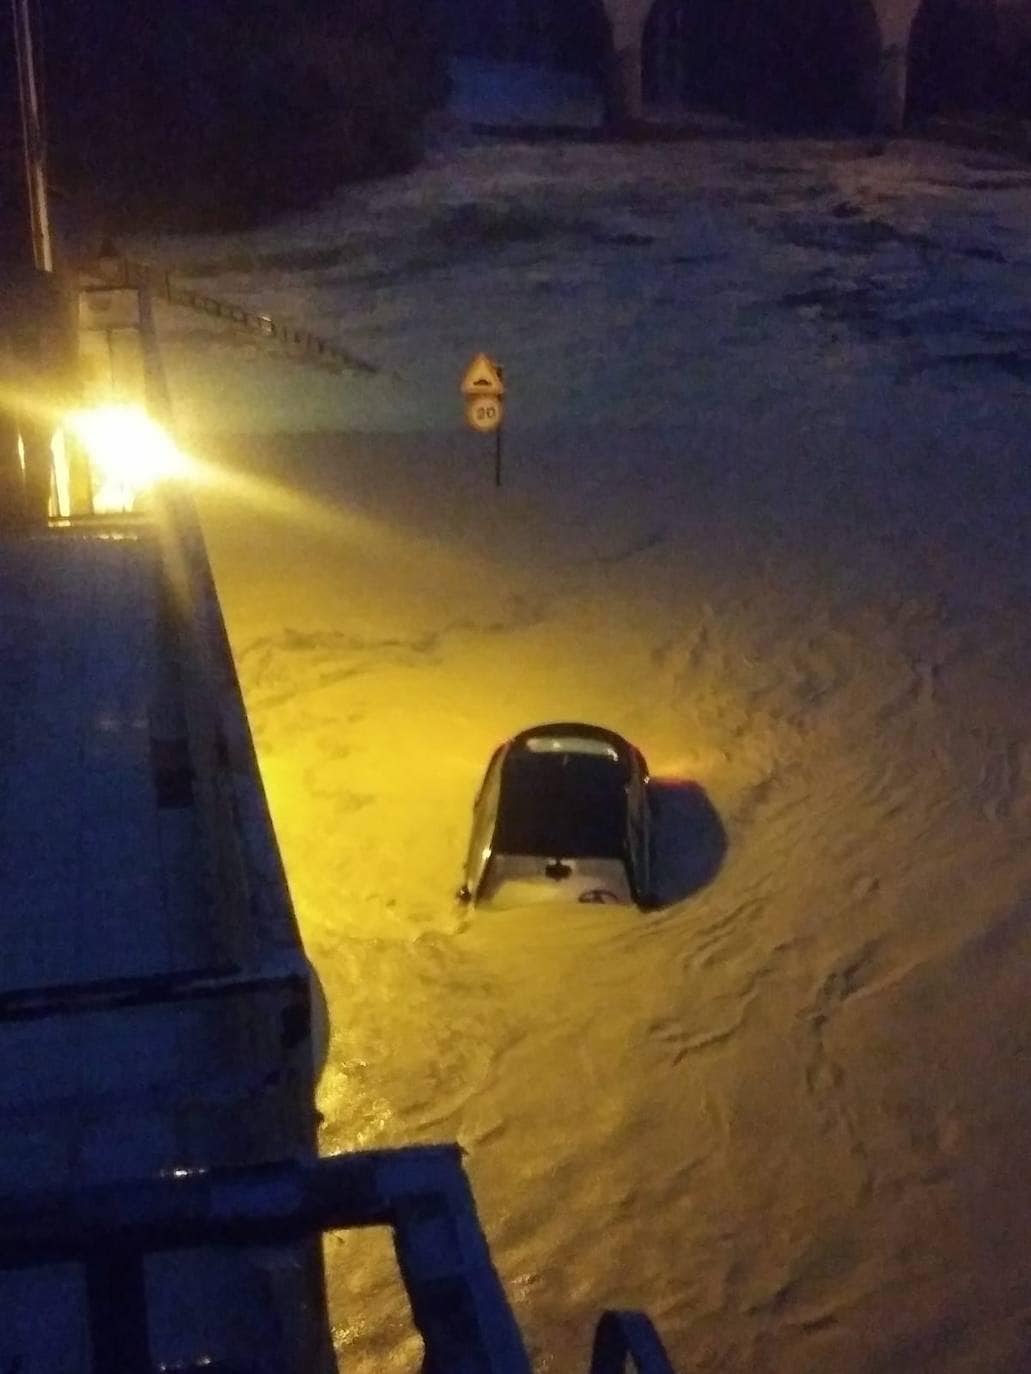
point(497, 433)
point(32, 136)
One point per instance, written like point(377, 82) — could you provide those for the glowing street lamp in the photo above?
point(128, 454)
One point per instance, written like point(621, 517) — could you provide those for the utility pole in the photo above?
point(32, 136)
point(37, 335)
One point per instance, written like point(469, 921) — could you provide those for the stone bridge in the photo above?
point(805, 64)
point(886, 80)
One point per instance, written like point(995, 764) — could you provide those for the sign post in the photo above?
point(484, 389)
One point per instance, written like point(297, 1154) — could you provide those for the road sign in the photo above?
point(482, 378)
point(484, 413)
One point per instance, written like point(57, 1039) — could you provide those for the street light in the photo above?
point(128, 454)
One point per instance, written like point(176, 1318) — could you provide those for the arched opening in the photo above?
point(957, 63)
point(580, 37)
point(794, 66)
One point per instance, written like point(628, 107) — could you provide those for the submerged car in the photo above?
point(562, 814)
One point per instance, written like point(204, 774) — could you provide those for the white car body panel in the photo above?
point(519, 880)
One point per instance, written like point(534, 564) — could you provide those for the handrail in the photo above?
point(300, 343)
point(422, 1192)
point(457, 1301)
point(624, 1334)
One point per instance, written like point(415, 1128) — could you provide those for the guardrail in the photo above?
point(458, 1304)
point(299, 344)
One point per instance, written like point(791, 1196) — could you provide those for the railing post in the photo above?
point(457, 1299)
point(622, 1334)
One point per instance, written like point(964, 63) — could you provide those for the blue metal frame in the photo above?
point(457, 1300)
point(628, 1335)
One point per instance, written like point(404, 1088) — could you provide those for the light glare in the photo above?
point(128, 453)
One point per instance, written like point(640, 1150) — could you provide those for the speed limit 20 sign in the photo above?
point(484, 413)
point(483, 388)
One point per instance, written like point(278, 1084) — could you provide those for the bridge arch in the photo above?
point(802, 64)
point(581, 37)
point(788, 65)
point(955, 58)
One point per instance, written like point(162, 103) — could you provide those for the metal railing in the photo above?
point(422, 1193)
point(299, 344)
point(622, 1336)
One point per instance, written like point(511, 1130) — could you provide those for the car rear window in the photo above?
point(570, 744)
point(561, 805)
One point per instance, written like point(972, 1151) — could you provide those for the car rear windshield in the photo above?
point(563, 806)
point(570, 744)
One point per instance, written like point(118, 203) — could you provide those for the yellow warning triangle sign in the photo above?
point(482, 378)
